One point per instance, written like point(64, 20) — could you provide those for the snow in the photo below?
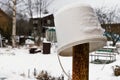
point(28, 41)
point(42, 15)
point(15, 64)
point(103, 71)
point(12, 66)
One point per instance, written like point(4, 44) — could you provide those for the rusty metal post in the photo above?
point(80, 62)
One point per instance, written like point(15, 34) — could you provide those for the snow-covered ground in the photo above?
point(15, 62)
point(18, 64)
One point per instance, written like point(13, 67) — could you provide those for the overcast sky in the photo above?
point(95, 3)
point(57, 4)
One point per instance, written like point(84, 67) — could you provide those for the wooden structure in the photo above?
point(4, 18)
point(114, 28)
point(46, 21)
point(5, 24)
point(81, 62)
point(116, 70)
point(40, 24)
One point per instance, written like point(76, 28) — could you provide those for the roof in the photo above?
point(3, 13)
point(42, 15)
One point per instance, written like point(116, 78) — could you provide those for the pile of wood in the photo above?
point(116, 70)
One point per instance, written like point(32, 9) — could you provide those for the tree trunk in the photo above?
point(14, 24)
point(81, 62)
point(114, 43)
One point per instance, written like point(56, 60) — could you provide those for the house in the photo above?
point(5, 24)
point(40, 24)
point(114, 28)
point(48, 21)
point(44, 21)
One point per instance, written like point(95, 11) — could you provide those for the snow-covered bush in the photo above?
point(43, 75)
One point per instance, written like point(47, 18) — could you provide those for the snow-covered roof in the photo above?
point(42, 15)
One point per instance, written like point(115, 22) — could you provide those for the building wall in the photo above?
point(40, 24)
point(5, 24)
point(114, 28)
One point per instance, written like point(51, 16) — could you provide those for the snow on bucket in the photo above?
point(78, 24)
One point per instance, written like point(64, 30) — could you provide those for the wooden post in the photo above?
point(81, 62)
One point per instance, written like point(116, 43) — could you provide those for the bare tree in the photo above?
point(14, 24)
point(11, 4)
point(29, 8)
point(22, 25)
point(37, 7)
point(107, 18)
